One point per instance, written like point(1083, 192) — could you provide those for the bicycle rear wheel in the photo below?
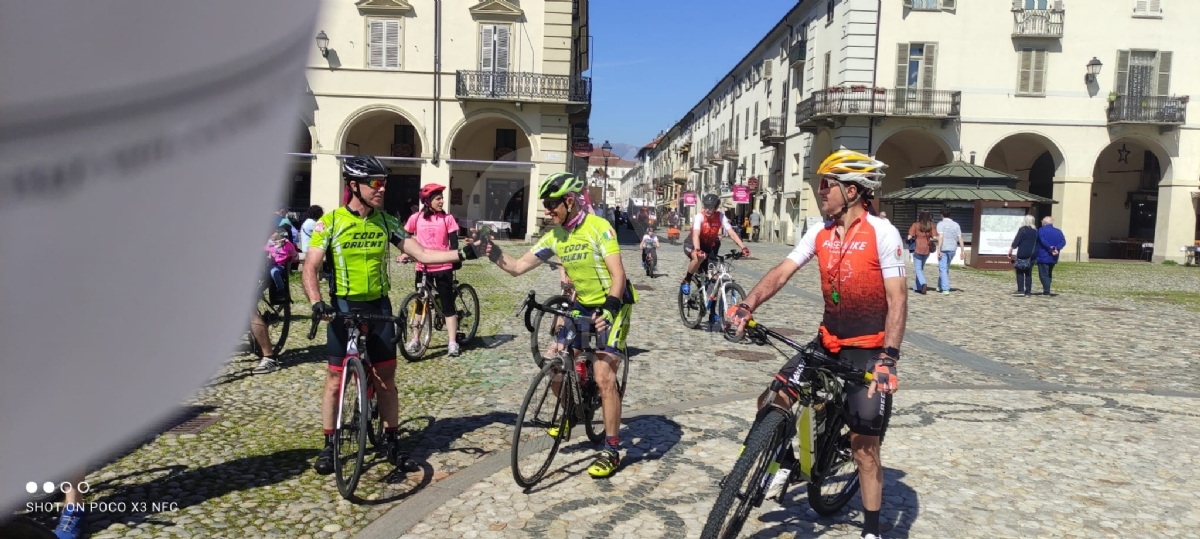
point(594, 424)
point(545, 328)
point(349, 449)
point(278, 319)
point(467, 309)
point(745, 487)
point(835, 473)
point(415, 327)
point(547, 406)
point(691, 306)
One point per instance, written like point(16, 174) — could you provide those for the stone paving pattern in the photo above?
point(250, 474)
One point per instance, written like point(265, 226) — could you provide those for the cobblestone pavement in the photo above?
point(987, 388)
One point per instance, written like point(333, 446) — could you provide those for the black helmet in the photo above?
point(711, 201)
point(363, 166)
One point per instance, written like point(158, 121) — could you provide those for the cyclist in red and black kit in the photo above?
point(861, 261)
point(705, 240)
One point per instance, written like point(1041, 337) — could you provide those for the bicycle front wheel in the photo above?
point(545, 328)
point(542, 424)
point(691, 306)
point(745, 487)
point(734, 294)
point(466, 306)
point(415, 329)
point(354, 414)
point(835, 475)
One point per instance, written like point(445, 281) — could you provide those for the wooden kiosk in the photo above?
point(983, 200)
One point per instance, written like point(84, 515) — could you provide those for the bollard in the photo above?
point(1078, 247)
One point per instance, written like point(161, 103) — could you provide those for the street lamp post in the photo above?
point(606, 147)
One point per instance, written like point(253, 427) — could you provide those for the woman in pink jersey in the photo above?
point(435, 229)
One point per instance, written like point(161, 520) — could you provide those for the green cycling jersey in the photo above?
point(359, 248)
point(582, 252)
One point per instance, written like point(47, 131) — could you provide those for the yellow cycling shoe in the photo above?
point(553, 431)
point(605, 465)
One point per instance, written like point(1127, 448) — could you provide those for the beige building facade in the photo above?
point(485, 97)
point(1085, 102)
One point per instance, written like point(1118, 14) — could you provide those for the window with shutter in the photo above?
point(383, 43)
point(827, 62)
point(1121, 80)
point(949, 5)
point(1163, 84)
point(755, 115)
point(1147, 8)
point(929, 69)
point(1032, 80)
point(901, 66)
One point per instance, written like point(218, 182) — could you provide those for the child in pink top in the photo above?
point(282, 252)
point(433, 228)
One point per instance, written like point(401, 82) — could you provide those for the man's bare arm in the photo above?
point(617, 270)
point(411, 248)
point(896, 290)
point(771, 283)
point(518, 266)
point(308, 276)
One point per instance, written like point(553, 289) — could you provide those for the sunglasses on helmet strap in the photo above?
point(552, 203)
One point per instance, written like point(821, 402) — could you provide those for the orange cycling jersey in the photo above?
point(852, 273)
point(709, 228)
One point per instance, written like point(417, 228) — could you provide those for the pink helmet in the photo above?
point(428, 192)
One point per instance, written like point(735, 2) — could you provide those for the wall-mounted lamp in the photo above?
point(1093, 69)
point(323, 44)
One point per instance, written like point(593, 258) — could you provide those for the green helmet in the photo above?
point(557, 185)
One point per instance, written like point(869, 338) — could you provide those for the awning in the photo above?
point(968, 193)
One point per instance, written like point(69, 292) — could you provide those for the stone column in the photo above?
point(1176, 224)
point(326, 187)
point(439, 173)
point(1072, 214)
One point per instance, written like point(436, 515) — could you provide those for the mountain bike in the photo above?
point(275, 309)
point(563, 393)
point(421, 314)
point(357, 420)
point(650, 260)
point(815, 424)
point(713, 292)
point(545, 337)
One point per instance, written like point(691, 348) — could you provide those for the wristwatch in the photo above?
point(893, 353)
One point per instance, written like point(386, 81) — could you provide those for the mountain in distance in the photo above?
point(627, 152)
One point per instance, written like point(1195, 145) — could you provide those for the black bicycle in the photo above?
point(543, 331)
point(422, 314)
point(563, 393)
point(274, 306)
point(815, 424)
point(357, 420)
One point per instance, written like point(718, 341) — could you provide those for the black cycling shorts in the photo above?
point(710, 251)
point(866, 416)
point(381, 347)
point(443, 284)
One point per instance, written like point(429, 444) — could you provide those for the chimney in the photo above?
point(972, 158)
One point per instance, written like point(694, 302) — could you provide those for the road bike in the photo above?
point(815, 424)
point(275, 308)
point(713, 291)
point(357, 420)
point(421, 314)
point(564, 393)
point(544, 337)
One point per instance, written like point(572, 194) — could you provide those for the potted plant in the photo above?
point(1112, 97)
point(858, 88)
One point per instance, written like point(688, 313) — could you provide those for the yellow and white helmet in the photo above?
point(853, 167)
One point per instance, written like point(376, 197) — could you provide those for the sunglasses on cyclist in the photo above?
point(552, 203)
point(828, 183)
point(373, 183)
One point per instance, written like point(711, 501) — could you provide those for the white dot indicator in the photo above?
point(31, 487)
point(65, 487)
point(83, 487)
point(48, 487)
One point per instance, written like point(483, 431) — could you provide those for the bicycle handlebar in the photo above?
point(813, 357)
point(354, 317)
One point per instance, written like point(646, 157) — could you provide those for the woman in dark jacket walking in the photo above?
point(1026, 246)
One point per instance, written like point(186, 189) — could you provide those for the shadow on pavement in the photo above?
point(894, 521)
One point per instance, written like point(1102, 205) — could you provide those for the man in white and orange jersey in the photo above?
point(861, 261)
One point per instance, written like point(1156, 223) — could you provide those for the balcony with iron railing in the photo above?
point(714, 155)
point(846, 101)
point(797, 52)
point(679, 176)
point(772, 130)
point(1161, 110)
point(522, 86)
point(1046, 23)
point(729, 149)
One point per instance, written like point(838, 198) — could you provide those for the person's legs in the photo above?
point(1049, 277)
point(1044, 277)
point(919, 269)
point(944, 271)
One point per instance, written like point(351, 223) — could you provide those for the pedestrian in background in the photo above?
point(1050, 242)
point(949, 240)
point(1025, 243)
point(921, 236)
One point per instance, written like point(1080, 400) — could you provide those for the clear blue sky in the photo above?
point(652, 60)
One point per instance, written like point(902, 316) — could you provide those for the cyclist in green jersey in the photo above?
point(357, 237)
point(586, 245)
